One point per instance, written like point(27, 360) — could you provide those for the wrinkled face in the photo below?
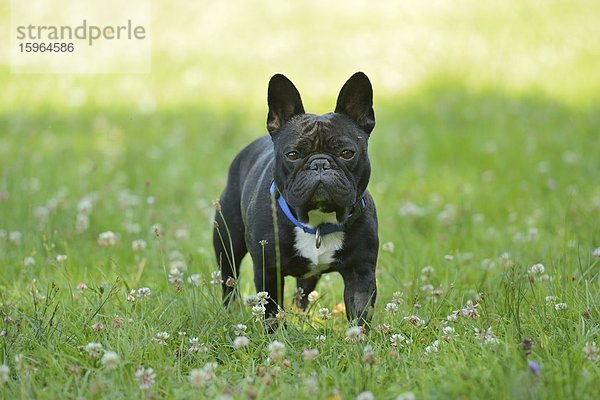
point(321, 163)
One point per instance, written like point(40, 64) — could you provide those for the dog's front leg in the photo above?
point(360, 291)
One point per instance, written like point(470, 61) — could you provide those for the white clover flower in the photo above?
point(281, 314)
point(195, 279)
point(406, 396)
point(309, 354)
point(313, 296)
point(15, 237)
point(215, 278)
point(161, 338)
point(486, 336)
point(132, 227)
point(478, 218)
point(28, 261)
point(391, 308)
point(470, 310)
point(197, 378)
point(410, 209)
point(354, 334)
point(397, 298)
point(551, 300)
point(182, 234)
point(127, 199)
point(85, 205)
point(82, 223)
point(570, 157)
point(414, 320)
point(311, 386)
point(258, 311)
point(536, 269)
point(324, 314)
point(433, 348)
point(240, 341)
point(276, 350)
point(505, 259)
point(163, 335)
point(175, 255)
point(545, 277)
point(427, 288)
point(143, 292)
point(61, 258)
point(447, 215)
point(388, 247)
point(399, 340)
point(94, 350)
point(178, 264)
point(117, 322)
point(427, 270)
point(532, 234)
point(518, 237)
point(138, 245)
point(320, 338)
point(107, 239)
point(196, 346)
point(156, 230)
point(448, 333)
point(240, 329)
point(560, 306)
point(175, 276)
point(145, 377)
point(596, 253)
point(251, 300)
point(263, 297)
point(590, 351)
point(42, 214)
point(110, 360)
point(366, 395)
point(369, 355)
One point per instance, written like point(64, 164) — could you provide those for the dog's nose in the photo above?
point(320, 164)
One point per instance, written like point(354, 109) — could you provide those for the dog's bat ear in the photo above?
point(356, 101)
point(284, 102)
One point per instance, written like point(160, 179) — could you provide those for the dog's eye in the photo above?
point(347, 154)
point(292, 155)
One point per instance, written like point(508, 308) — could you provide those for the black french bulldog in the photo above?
point(297, 200)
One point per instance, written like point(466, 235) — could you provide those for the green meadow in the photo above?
point(485, 170)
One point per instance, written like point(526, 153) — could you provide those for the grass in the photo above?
point(485, 163)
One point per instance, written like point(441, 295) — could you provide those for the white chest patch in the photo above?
point(306, 243)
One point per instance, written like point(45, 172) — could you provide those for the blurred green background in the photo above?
point(210, 53)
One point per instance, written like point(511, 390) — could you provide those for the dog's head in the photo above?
point(321, 161)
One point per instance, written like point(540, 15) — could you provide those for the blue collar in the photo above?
point(323, 229)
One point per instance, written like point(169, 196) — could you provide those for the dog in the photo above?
point(297, 201)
